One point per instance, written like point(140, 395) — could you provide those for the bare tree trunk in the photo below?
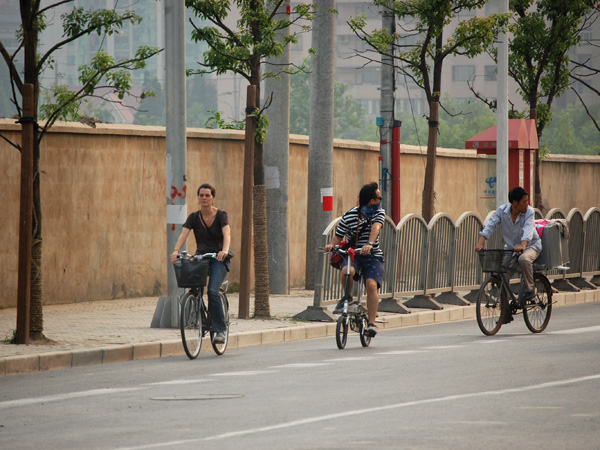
point(261, 254)
point(36, 323)
point(428, 204)
point(537, 196)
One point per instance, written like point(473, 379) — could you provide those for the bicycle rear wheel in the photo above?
point(341, 331)
point(491, 306)
point(536, 313)
point(220, 347)
point(190, 325)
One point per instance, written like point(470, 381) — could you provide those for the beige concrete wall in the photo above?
point(104, 197)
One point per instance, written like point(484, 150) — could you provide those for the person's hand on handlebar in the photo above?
point(221, 255)
point(366, 249)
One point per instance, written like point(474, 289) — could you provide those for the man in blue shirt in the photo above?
point(517, 219)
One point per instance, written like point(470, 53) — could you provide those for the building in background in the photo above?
point(362, 77)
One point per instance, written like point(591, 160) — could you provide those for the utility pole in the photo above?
point(387, 100)
point(502, 116)
point(276, 154)
point(166, 314)
point(320, 145)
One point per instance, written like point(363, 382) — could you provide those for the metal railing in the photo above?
point(438, 258)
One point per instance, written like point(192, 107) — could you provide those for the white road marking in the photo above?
point(300, 365)
point(400, 352)
point(442, 347)
point(356, 412)
point(243, 373)
point(172, 382)
point(68, 396)
point(352, 358)
point(577, 330)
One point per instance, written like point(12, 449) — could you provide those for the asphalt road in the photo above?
point(442, 386)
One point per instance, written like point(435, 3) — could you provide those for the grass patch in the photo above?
point(11, 337)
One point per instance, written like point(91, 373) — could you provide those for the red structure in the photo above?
point(522, 144)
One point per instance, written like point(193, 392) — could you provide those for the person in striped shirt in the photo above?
point(363, 224)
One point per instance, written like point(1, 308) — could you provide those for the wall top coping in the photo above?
point(8, 124)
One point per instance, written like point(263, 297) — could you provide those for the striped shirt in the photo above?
point(350, 220)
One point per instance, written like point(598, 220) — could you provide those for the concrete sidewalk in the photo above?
point(110, 331)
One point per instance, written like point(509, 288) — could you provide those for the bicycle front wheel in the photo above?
point(190, 325)
point(537, 311)
point(341, 331)
point(220, 347)
point(490, 307)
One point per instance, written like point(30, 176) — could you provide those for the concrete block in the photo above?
point(559, 299)
point(469, 312)
point(590, 296)
point(55, 360)
point(171, 348)
point(410, 320)
point(457, 314)
point(330, 328)
point(2, 367)
point(88, 357)
point(295, 333)
point(249, 339)
point(570, 298)
point(316, 331)
point(274, 336)
point(426, 317)
point(117, 353)
point(392, 321)
point(21, 364)
point(148, 350)
point(232, 341)
point(441, 316)
point(206, 345)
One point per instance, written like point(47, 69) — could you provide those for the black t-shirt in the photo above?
point(207, 242)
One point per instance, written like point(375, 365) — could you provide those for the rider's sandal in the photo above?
point(372, 329)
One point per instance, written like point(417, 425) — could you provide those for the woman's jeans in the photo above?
point(218, 272)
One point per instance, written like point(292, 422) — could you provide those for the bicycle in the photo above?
point(495, 298)
point(353, 316)
point(194, 320)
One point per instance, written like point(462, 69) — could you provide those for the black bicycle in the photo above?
point(194, 321)
point(354, 315)
point(495, 298)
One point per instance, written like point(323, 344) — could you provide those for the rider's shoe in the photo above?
point(219, 338)
point(372, 329)
point(339, 308)
point(529, 296)
point(508, 318)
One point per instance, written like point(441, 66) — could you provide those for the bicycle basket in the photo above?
point(494, 260)
point(191, 273)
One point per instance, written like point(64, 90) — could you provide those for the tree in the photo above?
point(543, 32)
point(242, 49)
point(101, 72)
point(423, 61)
point(349, 115)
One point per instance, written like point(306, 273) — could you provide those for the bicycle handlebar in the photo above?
point(185, 254)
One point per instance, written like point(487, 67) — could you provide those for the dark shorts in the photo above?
point(372, 267)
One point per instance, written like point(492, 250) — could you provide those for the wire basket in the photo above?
point(191, 273)
point(495, 260)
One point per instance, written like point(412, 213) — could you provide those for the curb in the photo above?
point(21, 364)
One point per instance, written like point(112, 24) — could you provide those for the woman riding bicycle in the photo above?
point(363, 224)
point(213, 234)
point(518, 231)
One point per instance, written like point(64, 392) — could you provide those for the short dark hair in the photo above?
point(516, 194)
point(367, 193)
point(207, 186)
